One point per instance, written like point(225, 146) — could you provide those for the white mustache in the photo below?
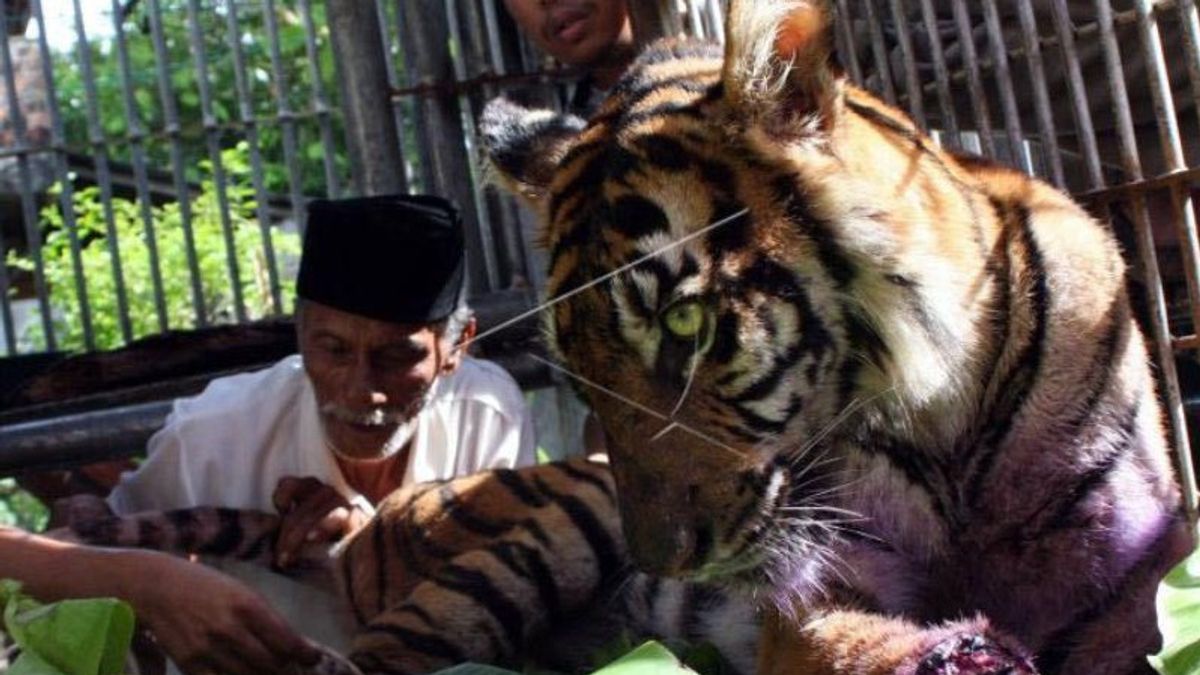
point(375, 417)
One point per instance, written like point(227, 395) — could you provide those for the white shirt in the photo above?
point(230, 445)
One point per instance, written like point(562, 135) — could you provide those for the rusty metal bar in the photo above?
point(440, 123)
point(320, 102)
point(250, 127)
point(912, 82)
point(372, 124)
point(845, 36)
point(1189, 20)
point(212, 138)
point(66, 186)
point(136, 136)
point(1083, 114)
point(486, 248)
point(284, 115)
point(1041, 97)
point(1172, 148)
point(879, 50)
point(941, 74)
point(1008, 100)
point(173, 131)
point(28, 208)
point(653, 19)
point(716, 21)
point(979, 104)
point(1156, 299)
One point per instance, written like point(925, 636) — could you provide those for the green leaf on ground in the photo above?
point(649, 659)
point(71, 637)
point(475, 669)
point(1178, 605)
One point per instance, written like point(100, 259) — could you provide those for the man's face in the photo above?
point(576, 32)
point(368, 375)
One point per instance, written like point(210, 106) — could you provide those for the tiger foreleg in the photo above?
point(848, 642)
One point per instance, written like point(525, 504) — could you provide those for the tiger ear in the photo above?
point(525, 146)
point(778, 69)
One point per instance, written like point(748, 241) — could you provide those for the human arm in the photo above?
point(202, 619)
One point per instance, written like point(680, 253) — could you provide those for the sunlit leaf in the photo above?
point(1178, 604)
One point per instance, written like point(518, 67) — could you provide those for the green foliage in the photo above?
point(20, 509)
point(649, 658)
point(296, 86)
point(171, 241)
point(72, 637)
point(1178, 605)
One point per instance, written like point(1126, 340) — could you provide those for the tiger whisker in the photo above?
point(664, 431)
point(856, 516)
point(691, 376)
point(851, 408)
point(602, 278)
point(630, 402)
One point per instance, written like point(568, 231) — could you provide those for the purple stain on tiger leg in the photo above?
point(973, 654)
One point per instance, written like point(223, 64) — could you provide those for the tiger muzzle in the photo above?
point(676, 499)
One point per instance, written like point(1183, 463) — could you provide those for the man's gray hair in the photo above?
point(452, 327)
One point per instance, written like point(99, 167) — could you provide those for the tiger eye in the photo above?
point(685, 320)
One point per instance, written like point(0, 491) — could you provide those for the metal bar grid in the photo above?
point(284, 115)
point(320, 107)
point(1041, 97)
point(979, 101)
point(948, 121)
point(212, 139)
point(912, 81)
point(1083, 115)
point(66, 193)
point(28, 209)
point(250, 126)
point(172, 128)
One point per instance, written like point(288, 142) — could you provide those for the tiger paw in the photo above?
point(973, 654)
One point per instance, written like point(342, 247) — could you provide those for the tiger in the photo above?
point(880, 406)
point(892, 394)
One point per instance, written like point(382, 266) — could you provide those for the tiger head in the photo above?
point(746, 274)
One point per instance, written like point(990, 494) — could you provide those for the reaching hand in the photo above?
point(312, 512)
point(209, 623)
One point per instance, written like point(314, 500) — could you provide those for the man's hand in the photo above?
point(312, 512)
point(209, 623)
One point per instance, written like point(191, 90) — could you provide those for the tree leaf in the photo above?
point(649, 659)
point(475, 669)
point(77, 637)
point(1178, 604)
point(29, 663)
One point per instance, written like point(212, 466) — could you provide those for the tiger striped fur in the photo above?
point(894, 394)
point(503, 567)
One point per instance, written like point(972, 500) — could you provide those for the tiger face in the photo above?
point(739, 246)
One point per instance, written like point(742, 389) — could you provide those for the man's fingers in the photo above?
point(304, 519)
point(291, 490)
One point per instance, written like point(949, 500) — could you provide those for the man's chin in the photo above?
point(359, 441)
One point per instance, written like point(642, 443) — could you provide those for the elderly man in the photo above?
point(380, 396)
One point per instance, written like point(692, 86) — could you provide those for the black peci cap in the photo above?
point(396, 258)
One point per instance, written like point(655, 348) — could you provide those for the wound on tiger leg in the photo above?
point(845, 642)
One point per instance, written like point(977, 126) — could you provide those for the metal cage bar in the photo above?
point(250, 127)
point(174, 132)
point(136, 136)
point(212, 138)
point(284, 115)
